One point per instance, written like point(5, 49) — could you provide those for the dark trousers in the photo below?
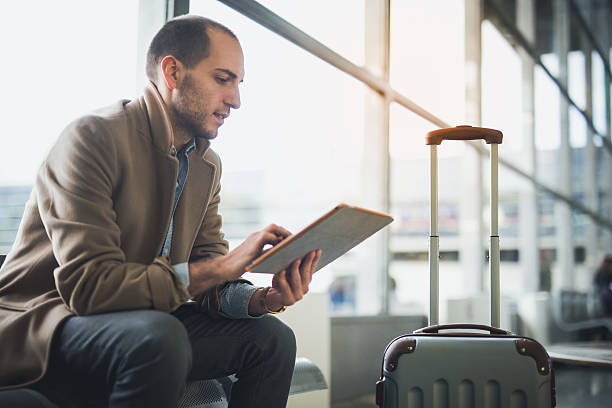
point(143, 358)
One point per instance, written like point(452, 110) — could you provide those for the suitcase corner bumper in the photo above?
point(380, 391)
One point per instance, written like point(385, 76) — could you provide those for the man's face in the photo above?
point(207, 92)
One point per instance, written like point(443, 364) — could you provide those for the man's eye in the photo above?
point(222, 80)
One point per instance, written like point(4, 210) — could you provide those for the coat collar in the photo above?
point(160, 125)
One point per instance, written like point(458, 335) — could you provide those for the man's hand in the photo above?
point(206, 274)
point(288, 286)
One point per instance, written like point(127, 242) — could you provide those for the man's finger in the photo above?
point(263, 238)
point(277, 230)
point(284, 288)
point(306, 268)
point(275, 280)
point(271, 238)
point(295, 279)
point(315, 262)
point(266, 238)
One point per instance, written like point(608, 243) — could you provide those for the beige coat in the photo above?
point(93, 228)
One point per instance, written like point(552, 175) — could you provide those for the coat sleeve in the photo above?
point(75, 199)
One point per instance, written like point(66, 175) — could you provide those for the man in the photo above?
point(119, 286)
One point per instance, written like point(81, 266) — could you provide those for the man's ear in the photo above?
point(172, 70)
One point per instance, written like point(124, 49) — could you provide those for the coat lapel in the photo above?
point(192, 205)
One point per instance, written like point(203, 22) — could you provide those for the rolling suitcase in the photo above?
point(465, 365)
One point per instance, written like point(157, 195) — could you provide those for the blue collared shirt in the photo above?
point(235, 298)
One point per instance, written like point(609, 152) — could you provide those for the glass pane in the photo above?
point(579, 220)
point(577, 85)
point(410, 208)
point(582, 165)
point(582, 268)
point(502, 105)
point(547, 127)
point(576, 78)
point(599, 94)
point(12, 203)
point(551, 250)
point(603, 171)
point(320, 18)
point(602, 178)
point(71, 57)
point(546, 241)
point(584, 171)
point(518, 241)
point(293, 151)
point(410, 198)
point(427, 60)
point(550, 263)
point(577, 129)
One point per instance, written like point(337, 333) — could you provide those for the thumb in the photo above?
point(275, 280)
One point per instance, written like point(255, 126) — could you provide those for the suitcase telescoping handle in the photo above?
point(433, 139)
point(464, 132)
point(437, 328)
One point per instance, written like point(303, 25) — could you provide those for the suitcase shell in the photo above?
point(465, 370)
point(465, 365)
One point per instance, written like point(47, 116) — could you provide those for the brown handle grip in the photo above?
point(436, 328)
point(464, 132)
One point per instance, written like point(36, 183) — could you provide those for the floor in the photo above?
point(366, 401)
point(581, 387)
point(577, 387)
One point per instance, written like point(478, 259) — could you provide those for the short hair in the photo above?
point(186, 38)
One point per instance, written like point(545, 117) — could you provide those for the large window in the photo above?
point(428, 70)
point(295, 148)
point(345, 122)
point(61, 60)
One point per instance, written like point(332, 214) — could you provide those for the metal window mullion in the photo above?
point(528, 204)
point(591, 198)
point(563, 277)
point(376, 170)
point(472, 191)
point(386, 131)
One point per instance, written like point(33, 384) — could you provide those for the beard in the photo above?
point(188, 113)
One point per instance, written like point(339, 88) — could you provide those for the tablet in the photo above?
point(335, 233)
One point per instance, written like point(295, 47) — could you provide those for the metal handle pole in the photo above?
point(434, 249)
point(494, 242)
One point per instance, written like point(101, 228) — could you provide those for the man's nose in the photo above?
point(233, 99)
